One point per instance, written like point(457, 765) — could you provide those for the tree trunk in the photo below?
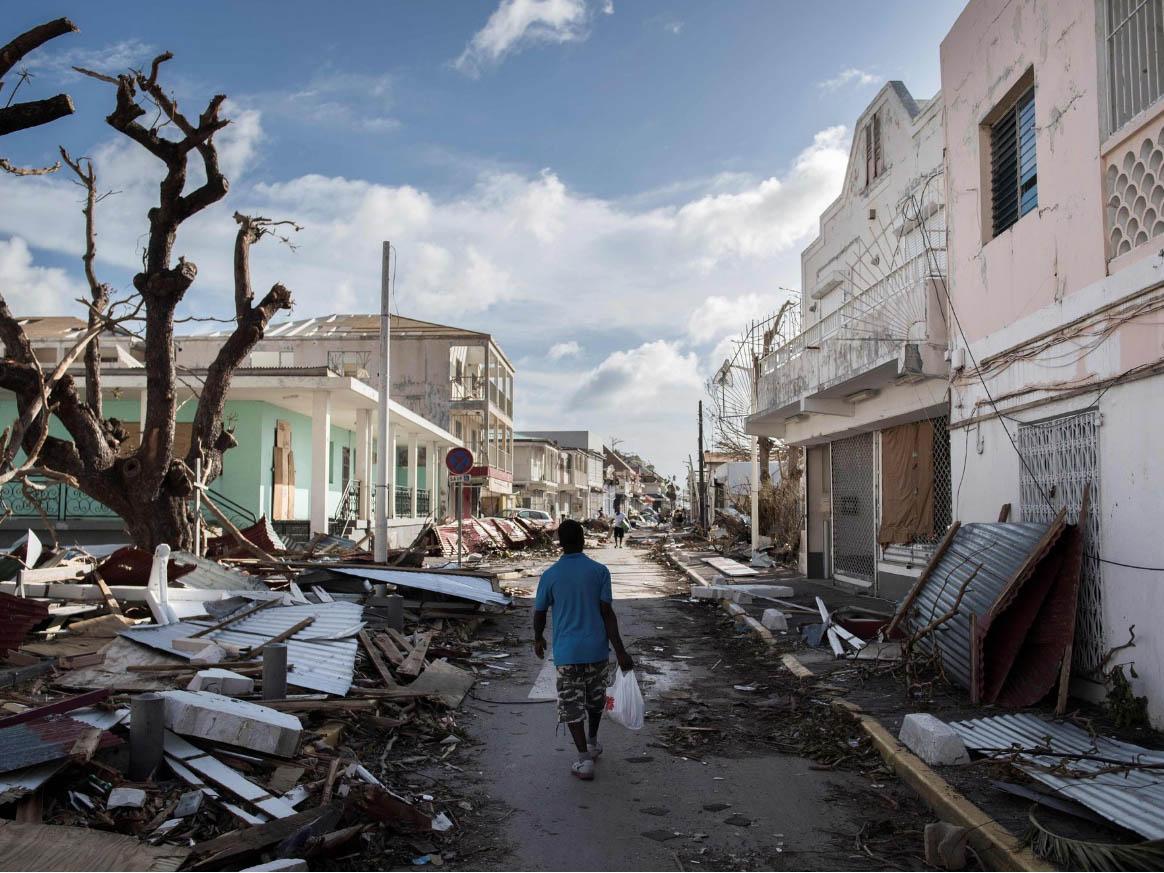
point(168, 519)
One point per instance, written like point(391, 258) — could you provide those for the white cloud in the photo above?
point(519, 255)
point(354, 101)
point(32, 290)
point(673, 27)
point(608, 7)
point(569, 349)
point(111, 59)
point(650, 374)
point(719, 317)
point(849, 76)
point(517, 23)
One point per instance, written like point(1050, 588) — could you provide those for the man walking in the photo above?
point(620, 526)
point(577, 589)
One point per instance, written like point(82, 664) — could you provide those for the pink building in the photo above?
point(1054, 132)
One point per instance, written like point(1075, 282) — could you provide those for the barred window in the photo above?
point(1134, 36)
point(874, 164)
point(1014, 171)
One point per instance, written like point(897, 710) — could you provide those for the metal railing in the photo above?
point(403, 501)
point(235, 511)
point(862, 333)
point(58, 501)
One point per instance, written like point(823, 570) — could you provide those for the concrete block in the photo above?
point(774, 620)
point(222, 681)
point(235, 722)
point(735, 595)
point(280, 864)
point(704, 592)
point(126, 798)
point(932, 740)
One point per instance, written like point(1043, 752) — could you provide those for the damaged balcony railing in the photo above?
point(864, 332)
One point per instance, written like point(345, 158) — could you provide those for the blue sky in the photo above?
point(610, 188)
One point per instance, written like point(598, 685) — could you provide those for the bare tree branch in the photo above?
point(8, 167)
point(99, 291)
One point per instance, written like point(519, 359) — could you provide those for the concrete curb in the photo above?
point(790, 661)
point(998, 847)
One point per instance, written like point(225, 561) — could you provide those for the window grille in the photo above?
point(1014, 173)
point(874, 163)
point(1134, 37)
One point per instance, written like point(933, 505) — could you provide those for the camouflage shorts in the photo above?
point(581, 689)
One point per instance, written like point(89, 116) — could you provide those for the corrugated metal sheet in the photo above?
point(1133, 799)
point(213, 576)
point(466, 587)
point(18, 616)
point(321, 657)
point(49, 739)
point(992, 554)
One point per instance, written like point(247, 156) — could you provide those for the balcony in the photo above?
point(892, 332)
point(1133, 189)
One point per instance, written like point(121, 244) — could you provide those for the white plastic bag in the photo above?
point(624, 700)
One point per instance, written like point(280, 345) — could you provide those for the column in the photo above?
point(364, 460)
point(141, 417)
point(390, 459)
point(443, 483)
point(430, 475)
point(413, 460)
point(320, 447)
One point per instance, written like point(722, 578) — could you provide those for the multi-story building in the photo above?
point(535, 473)
point(305, 448)
point(1055, 172)
point(862, 387)
point(458, 379)
point(623, 485)
point(582, 494)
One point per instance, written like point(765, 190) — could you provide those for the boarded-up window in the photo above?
point(283, 480)
point(907, 483)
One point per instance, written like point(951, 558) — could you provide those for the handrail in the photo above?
point(225, 503)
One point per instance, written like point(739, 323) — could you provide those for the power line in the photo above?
point(990, 398)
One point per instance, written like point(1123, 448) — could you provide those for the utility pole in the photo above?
point(755, 443)
point(382, 496)
point(702, 484)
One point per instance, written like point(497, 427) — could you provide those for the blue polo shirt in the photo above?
point(574, 589)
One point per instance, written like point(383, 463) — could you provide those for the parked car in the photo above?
point(537, 517)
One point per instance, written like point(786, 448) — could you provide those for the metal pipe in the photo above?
point(146, 735)
point(275, 671)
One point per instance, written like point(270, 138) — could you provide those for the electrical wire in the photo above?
point(990, 398)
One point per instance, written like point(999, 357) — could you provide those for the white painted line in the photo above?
point(545, 687)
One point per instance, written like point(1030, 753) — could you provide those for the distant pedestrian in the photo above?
point(577, 590)
point(620, 526)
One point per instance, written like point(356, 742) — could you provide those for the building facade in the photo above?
point(458, 379)
point(581, 493)
point(862, 387)
point(305, 453)
point(1055, 153)
point(535, 473)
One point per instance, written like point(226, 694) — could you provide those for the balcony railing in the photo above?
point(866, 331)
point(57, 501)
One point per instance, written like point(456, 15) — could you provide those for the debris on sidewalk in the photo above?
point(299, 694)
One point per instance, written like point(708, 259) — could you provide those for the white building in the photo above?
point(862, 388)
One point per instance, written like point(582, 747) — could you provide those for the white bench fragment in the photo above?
point(774, 620)
point(235, 722)
point(221, 681)
point(932, 740)
point(704, 592)
point(280, 864)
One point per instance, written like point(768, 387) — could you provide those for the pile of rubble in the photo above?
point(165, 710)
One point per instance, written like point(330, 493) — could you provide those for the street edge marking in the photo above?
point(1000, 849)
point(790, 661)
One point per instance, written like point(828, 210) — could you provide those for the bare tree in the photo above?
point(32, 113)
point(147, 486)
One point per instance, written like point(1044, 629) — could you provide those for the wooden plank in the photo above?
point(939, 552)
point(29, 846)
point(414, 663)
point(1004, 513)
point(329, 783)
point(400, 640)
point(346, 704)
point(86, 745)
point(377, 661)
point(229, 621)
point(286, 635)
point(106, 594)
point(385, 644)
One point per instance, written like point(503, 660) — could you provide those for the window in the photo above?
point(874, 163)
point(1133, 31)
point(1014, 189)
